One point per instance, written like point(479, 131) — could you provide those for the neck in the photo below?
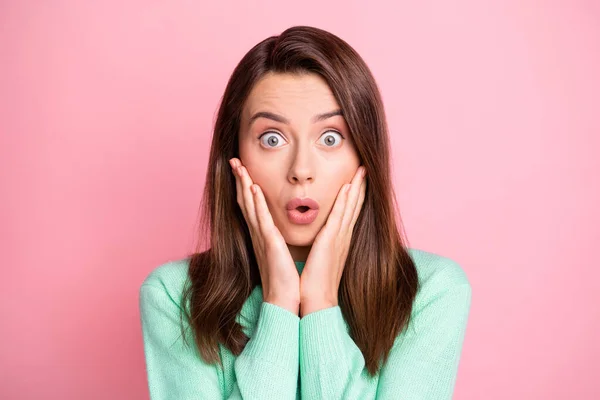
point(299, 253)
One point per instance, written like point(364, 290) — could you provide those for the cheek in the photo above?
point(264, 179)
point(249, 156)
point(335, 182)
point(258, 176)
point(336, 178)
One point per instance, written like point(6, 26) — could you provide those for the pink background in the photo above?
point(106, 111)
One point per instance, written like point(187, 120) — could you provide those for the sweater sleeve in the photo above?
point(267, 368)
point(422, 363)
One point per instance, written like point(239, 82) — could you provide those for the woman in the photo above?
point(307, 290)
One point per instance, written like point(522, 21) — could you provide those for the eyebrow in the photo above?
point(279, 118)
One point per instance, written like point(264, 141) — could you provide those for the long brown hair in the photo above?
point(379, 282)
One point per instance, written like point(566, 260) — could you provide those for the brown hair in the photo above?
point(379, 282)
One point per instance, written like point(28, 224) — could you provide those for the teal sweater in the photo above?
point(313, 357)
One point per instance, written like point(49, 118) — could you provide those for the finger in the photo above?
point(248, 197)
point(334, 221)
point(238, 189)
point(361, 200)
point(352, 201)
point(263, 216)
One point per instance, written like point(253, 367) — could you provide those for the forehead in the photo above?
point(292, 95)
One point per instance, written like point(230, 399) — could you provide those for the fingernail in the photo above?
point(363, 171)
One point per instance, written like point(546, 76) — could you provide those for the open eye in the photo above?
point(330, 137)
point(271, 139)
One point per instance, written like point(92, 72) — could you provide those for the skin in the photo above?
point(303, 163)
point(291, 153)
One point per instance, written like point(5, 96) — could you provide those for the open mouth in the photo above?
point(302, 215)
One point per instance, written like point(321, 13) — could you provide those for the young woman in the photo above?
point(306, 289)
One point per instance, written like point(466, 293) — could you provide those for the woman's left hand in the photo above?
point(322, 272)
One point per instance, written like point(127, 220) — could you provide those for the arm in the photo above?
point(422, 364)
point(267, 368)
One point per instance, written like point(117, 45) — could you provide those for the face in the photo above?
point(291, 152)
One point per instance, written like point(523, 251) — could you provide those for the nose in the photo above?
point(301, 170)
point(301, 178)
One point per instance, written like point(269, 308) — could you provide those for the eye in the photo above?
point(330, 139)
point(272, 139)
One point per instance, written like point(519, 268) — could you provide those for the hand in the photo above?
point(320, 278)
point(280, 279)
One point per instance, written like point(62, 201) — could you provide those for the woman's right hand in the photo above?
point(280, 279)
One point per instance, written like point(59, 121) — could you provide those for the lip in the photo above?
point(297, 202)
point(302, 218)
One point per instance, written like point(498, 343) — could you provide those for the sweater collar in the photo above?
point(299, 266)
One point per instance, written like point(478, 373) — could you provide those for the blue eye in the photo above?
point(330, 139)
point(272, 140)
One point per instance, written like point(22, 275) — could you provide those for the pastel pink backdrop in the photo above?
point(106, 110)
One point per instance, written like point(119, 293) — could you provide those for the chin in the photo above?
point(297, 235)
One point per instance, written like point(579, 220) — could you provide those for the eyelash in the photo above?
point(329, 130)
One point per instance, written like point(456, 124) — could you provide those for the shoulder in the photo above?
point(167, 279)
point(437, 269)
point(440, 279)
